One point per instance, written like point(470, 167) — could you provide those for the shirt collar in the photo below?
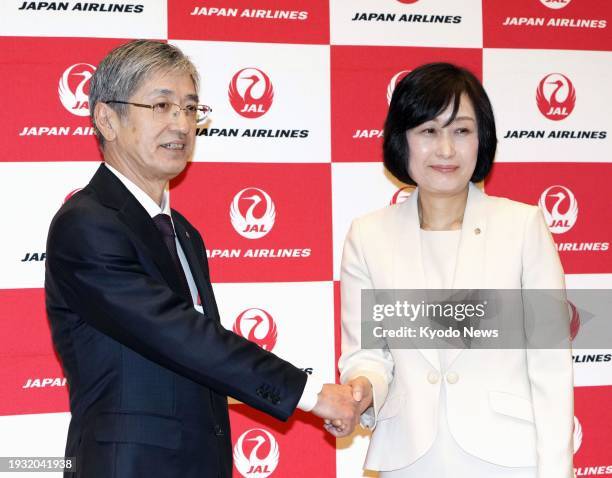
point(152, 208)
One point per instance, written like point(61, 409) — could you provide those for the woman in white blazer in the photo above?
point(454, 413)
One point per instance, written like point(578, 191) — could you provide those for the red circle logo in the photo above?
point(556, 96)
point(73, 88)
point(251, 93)
point(71, 193)
point(574, 321)
point(257, 326)
point(256, 453)
point(401, 195)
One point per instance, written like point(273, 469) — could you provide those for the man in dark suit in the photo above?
point(149, 374)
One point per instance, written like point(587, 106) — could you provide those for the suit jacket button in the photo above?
point(433, 377)
point(452, 377)
point(219, 431)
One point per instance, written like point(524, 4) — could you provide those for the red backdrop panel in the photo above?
point(362, 80)
point(592, 431)
point(558, 24)
point(31, 379)
point(301, 194)
point(46, 112)
point(589, 183)
point(305, 450)
point(290, 21)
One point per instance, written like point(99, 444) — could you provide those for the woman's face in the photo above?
point(442, 158)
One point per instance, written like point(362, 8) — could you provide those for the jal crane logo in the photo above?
point(556, 96)
point(257, 326)
point(577, 435)
point(256, 453)
point(73, 93)
point(560, 208)
point(555, 4)
point(258, 219)
point(251, 93)
point(393, 83)
point(70, 194)
point(574, 320)
point(401, 195)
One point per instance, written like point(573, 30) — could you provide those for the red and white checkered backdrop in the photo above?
point(299, 91)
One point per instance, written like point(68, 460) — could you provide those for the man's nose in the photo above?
point(182, 120)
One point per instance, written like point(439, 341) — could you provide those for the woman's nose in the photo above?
point(445, 147)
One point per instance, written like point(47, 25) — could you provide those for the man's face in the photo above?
point(156, 148)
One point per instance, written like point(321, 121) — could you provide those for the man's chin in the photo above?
point(172, 167)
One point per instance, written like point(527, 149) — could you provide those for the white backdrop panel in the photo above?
point(392, 22)
point(142, 19)
point(299, 76)
point(357, 188)
point(32, 193)
point(41, 435)
point(512, 77)
point(302, 312)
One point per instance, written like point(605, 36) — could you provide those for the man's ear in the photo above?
point(106, 120)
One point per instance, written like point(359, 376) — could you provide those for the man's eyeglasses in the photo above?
point(165, 111)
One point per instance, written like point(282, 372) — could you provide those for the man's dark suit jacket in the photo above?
point(148, 374)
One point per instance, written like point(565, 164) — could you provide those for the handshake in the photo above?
point(342, 405)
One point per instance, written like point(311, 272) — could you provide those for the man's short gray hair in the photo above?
point(127, 67)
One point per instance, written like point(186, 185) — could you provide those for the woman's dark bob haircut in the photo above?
point(421, 96)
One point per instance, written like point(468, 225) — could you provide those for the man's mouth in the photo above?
point(173, 146)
